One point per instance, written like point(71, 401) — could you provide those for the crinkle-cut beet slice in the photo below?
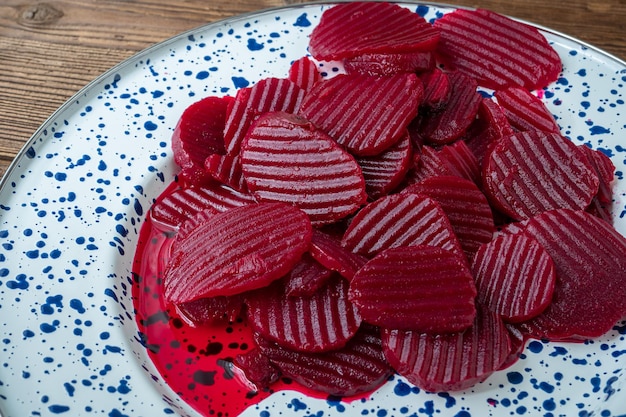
point(452, 121)
point(227, 170)
point(322, 322)
point(175, 208)
point(222, 197)
point(531, 172)
point(204, 311)
point(388, 64)
point(304, 73)
point(489, 127)
point(396, 220)
point(588, 254)
point(525, 111)
point(605, 169)
point(357, 368)
point(422, 288)
point(241, 249)
point(496, 50)
point(286, 158)
point(268, 95)
point(199, 133)
point(306, 277)
point(257, 368)
point(450, 361)
point(518, 340)
point(515, 277)
point(327, 250)
point(511, 228)
point(385, 171)
point(357, 28)
point(465, 205)
point(454, 159)
point(365, 114)
point(436, 90)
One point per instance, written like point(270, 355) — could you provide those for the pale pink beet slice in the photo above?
point(306, 277)
point(321, 322)
point(327, 250)
point(357, 368)
point(173, 209)
point(531, 172)
point(515, 277)
point(589, 294)
point(241, 249)
point(227, 170)
point(356, 28)
point(525, 111)
point(400, 220)
point(422, 288)
point(303, 72)
point(496, 50)
point(387, 64)
point(286, 158)
point(452, 361)
point(363, 113)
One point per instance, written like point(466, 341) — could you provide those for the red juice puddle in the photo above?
point(196, 362)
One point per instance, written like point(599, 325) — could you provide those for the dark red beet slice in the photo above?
point(489, 127)
point(400, 220)
point(452, 361)
point(327, 250)
point(589, 295)
point(175, 208)
point(269, 94)
point(356, 28)
point(204, 311)
point(496, 50)
point(365, 114)
point(322, 322)
point(422, 288)
point(257, 369)
point(515, 277)
point(222, 197)
point(386, 64)
point(605, 169)
point(531, 172)
point(454, 159)
point(357, 368)
point(306, 277)
point(436, 90)
point(238, 250)
point(465, 205)
point(518, 340)
point(526, 111)
point(227, 170)
point(286, 158)
point(303, 72)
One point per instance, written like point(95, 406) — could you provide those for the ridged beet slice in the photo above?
point(257, 369)
point(238, 250)
point(515, 277)
point(605, 169)
point(175, 208)
point(357, 368)
point(526, 111)
point(422, 288)
point(465, 205)
point(436, 90)
point(489, 127)
point(204, 311)
point(387, 64)
point(303, 72)
point(227, 170)
point(454, 159)
point(365, 114)
point(589, 294)
point(531, 172)
point(452, 361)
point(286, 158)
point(400, 220)
point(269, 94)
point(222, 197)
point(356, 28)
point(517, 341)
point(306, 277)
point(322, 322)
point(327, 250)
point(496, 50)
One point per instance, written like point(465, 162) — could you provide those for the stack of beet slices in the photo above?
point(391, 217)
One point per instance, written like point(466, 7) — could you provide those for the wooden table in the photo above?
point(49, 49)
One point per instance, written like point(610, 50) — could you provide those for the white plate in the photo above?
point(73, 202)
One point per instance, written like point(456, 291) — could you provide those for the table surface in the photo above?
point(50, 50)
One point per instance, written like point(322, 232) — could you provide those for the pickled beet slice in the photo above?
point(286, 158)
point(257, 369)
point(526, 111)
point(303, 72)
point(588, 254)
point(490, 126)
point(387, 64)
point(357, 28)
point(327, 250)
point(226, 169)
point(454, 159)
point(173, 209)
point(221, 197)
point(306, 277)
point(357, 368)
point(531, 172)
point(399, 220)
point(204, 311)
point(268, 95)
point(436, 90)
point(515, 277)
point(241, 249)
point(422, 288)
point(449, 361)
point(322, 322)
point(366, 114)
point(605, 169)
point(496, 50)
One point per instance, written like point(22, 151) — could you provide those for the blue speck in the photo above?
point(253, 45)
point(58, 409)
point(202, 75)
point(515, 377)
point(598, 130)
point(77, 305)
point(240, 82)
point(60, 176)
point(150, 126)
point(302, 21)
point(298, 405)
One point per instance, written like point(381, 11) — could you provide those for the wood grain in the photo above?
point(50, 49)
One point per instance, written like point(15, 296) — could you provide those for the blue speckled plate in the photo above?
point(73, 202)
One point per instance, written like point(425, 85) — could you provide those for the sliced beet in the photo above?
point(286, 158)
point(515, 277)
point(387, 64)
point(173, 209)
point(322, 322)
point(525, 111)
point(328, 251)
point(238, 250)
point(227, 170)
point(436, 90)
point(451, 361)
point(497, 50)
point(306, 277)
point(204, 311)
point(303, 72)
point(357, 28)
point(363, 113)
point(605, 169)
point(489, 127)
point(422, 288)
point(454, 159)
point(222, 197)
point(257, 368)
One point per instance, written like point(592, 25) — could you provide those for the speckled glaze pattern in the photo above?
point(74, 200)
